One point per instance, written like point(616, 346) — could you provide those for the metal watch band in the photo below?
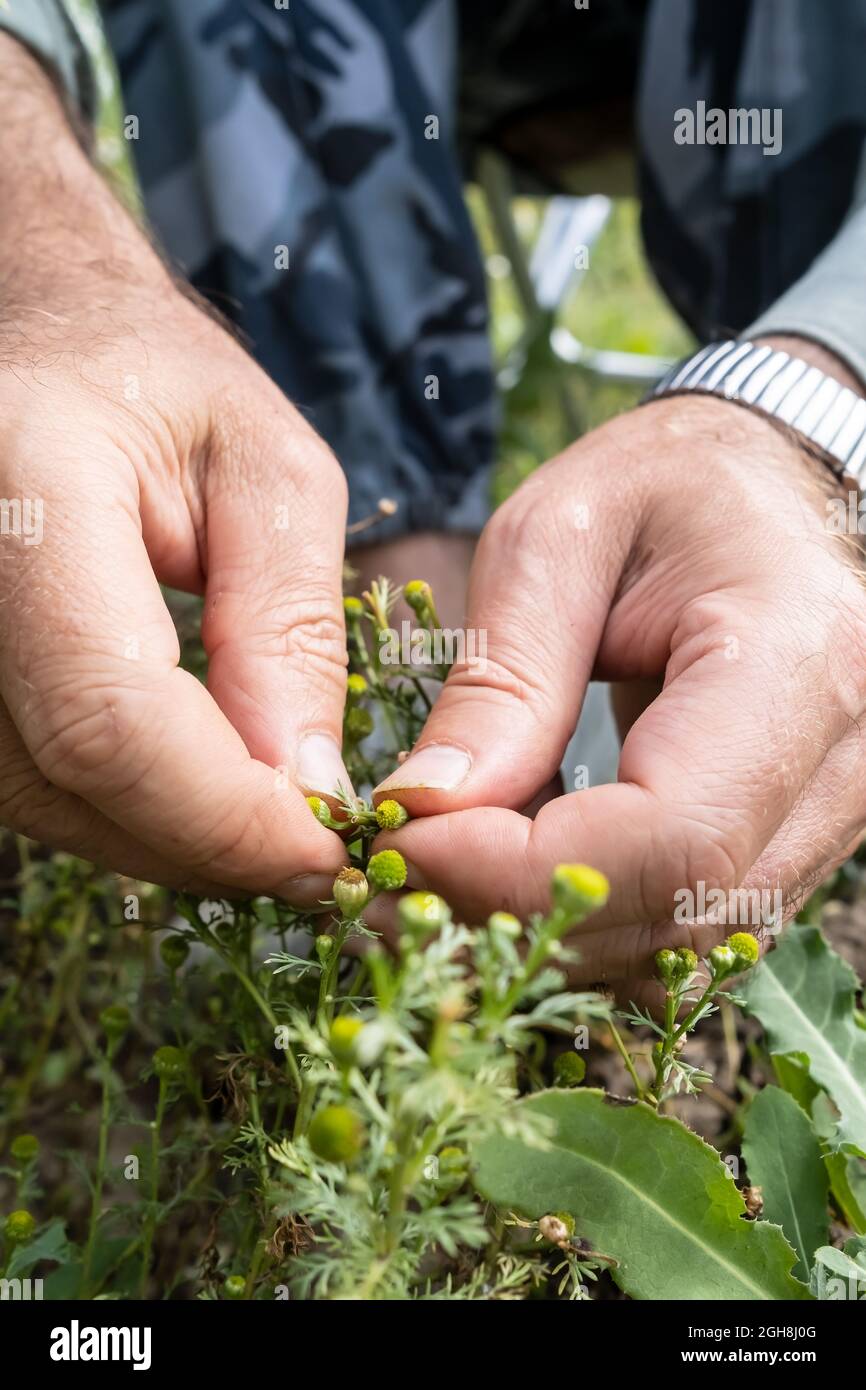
point(829, 416)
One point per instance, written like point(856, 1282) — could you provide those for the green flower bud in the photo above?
point(319, 808)
point(19, 1227)
point(350, 891)
point(324, 946)
point(344, 1032)
point(174, 951)
point(356, 688)
point(568, 1070)
point(746, 949)
point(114, 1021)
point(25, 1148)
point(506, 924)
point(387, 870)
point(336, 1134)
point(234, 1286)
point(390, 815)
point(421, 914)
point(687, 963)
point(577, 889)
point(358, 724)
point(352, 607)
point(169, 1063)
point(722, 961)
point(452, 1160)
point(419, 596)
point(665, 962)
point(452, 1168)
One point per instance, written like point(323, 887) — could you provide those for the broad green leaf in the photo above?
point(783, 1157)
point(803, 994)
point(848, 1184)
point(792, 1074)
point(847, 1172)
point(647, 1191)
point(50, 1244)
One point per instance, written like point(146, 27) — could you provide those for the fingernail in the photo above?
point(414, 878)
point(320, 768)
point(439, 766)
point(309, 890)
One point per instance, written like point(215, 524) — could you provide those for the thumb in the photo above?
point(273, 622)
point(501, 724)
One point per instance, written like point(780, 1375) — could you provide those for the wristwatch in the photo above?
point(829, 418)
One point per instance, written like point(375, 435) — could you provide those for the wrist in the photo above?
point(60, 225)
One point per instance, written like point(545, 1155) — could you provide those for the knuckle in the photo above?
point(518, 524)
point(499, 677)
point(237, 849)
point(317, 645)
point(28, 803)
point(80, 739)
point(306, 634)
point(31, 805)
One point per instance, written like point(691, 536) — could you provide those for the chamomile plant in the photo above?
point(290, 1105)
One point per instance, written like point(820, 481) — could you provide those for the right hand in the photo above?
point(157, 452)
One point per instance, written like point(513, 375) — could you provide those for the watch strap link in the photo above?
point(829, 416)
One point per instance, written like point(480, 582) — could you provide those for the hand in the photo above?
point(706, 559)
point(142, 445)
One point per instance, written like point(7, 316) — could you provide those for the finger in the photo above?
point(31, 806)
point(273, 621)
point(708, 773)
point(91, 682)
point(823, 829)
point(501, 724)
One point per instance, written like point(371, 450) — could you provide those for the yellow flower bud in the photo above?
point(319, 809)
point(746, 949)
point(391, 815)
point(387, 870)
point(577, 889)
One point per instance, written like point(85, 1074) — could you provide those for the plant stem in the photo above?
point(673, 1034)
point(96, 1204)
point(691, 1019)
point(627, 1059)
point(666, 1049)
point(150, 1223)
point(324, 1016)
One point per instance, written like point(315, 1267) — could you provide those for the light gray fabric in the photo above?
point(45, 27)
point(592, 757)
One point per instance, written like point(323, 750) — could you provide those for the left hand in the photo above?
point(707, 560)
